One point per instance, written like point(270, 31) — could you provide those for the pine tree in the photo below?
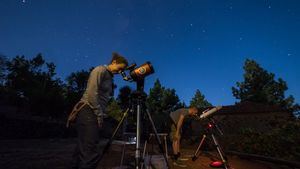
point(199, 100)
point(260, 86)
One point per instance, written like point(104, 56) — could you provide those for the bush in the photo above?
point(282, 142)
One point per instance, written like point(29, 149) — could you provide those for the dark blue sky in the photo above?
point(200, 44)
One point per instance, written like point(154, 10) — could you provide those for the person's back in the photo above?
point(175, 115)
point(99, 88)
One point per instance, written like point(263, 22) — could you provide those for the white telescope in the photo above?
point(209, 112)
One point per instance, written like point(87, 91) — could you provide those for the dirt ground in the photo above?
point(56, 154)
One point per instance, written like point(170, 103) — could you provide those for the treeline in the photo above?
point(31, 86)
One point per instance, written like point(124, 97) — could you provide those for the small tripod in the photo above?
point(211, 126)
point(140, 96)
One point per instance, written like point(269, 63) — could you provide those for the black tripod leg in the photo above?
point(113, 135)
point(220, 151)
point(198, 149)
point(157, 138)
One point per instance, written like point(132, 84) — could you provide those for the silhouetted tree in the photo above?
point(155, 98)
point(33, 83)
point(114, 110)
point(199, 100)
point(260, 86)
point(124, 97)
point(4, 93)
point(77, 81)
point(75, 87)
point(160, 103)
point(3, 68)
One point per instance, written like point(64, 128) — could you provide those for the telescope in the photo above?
point(138, 73)
point(207, 113)
point(210, 131)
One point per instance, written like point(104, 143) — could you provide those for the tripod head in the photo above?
point(208, 114)
point(213, 124)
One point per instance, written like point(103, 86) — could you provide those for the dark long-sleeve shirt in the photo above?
point(99, 89)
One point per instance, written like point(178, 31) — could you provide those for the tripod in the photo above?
point(140, 97)
point(211, 126)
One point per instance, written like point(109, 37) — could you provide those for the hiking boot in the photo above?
point(179, 164)
point(183, 159)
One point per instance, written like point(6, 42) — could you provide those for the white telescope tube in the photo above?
point(205, 114)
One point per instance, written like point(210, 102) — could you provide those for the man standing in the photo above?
point(178, 117)
point(90, 111)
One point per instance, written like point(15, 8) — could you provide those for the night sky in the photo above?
point(200, 44)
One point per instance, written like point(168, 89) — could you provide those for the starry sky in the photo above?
point(192, 44)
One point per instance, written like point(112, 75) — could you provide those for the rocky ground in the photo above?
point(56, 154)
